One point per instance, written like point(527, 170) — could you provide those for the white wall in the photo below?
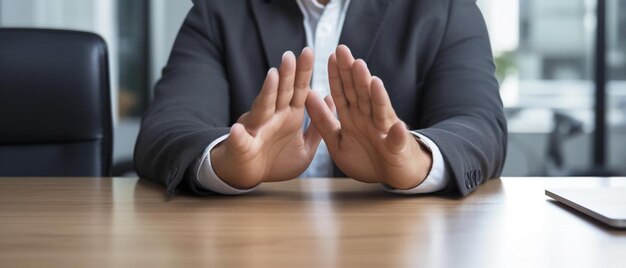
point(502, 18)
point(166, 18)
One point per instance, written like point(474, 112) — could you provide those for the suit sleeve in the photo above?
point(461, 107)
point(190, 107)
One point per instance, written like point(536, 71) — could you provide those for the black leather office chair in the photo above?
point(55, 108)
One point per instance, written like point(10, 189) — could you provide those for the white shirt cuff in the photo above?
point(437, 178)
point(207, 177)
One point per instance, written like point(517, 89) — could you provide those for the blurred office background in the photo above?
point(544, 50)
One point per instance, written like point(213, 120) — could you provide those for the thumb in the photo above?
point(398, 137)
point(324, 119)
point(312, 137)
point(240, 140)
point(330, 103)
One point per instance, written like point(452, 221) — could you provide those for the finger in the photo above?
point(239, 140)
point(304, 71)
point(398, 137)
point(383, 114)
point(265, 104)
point(336, 88)
point(287, 75)
point(345, 61)
point(362, 82)
point(324, 119)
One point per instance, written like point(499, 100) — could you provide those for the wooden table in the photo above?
point(62, 222)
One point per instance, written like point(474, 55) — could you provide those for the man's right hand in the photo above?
point(268, 144)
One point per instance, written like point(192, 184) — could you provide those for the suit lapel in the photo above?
point(362, 24)
point(280, 26)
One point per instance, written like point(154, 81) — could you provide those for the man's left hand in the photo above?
point(367, 140)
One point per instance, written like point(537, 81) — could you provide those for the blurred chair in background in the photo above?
point(565, 128)
point(55, 106)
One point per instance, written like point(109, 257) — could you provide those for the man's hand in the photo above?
point(368, 142)
point(267, 143)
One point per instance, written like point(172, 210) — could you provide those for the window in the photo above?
point(133, 56)
point(545, 53)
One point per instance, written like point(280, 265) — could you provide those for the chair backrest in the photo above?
point(55, 106)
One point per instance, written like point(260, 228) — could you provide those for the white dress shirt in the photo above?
point(323, 25)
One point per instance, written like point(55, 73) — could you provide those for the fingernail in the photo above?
point(376, 78)
point(287, 53)
point(303, 50)
point(270, 70)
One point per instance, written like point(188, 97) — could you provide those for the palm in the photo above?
point(279, 150)
point(360, 144)
point(365, 154)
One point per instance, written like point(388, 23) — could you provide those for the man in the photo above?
point(430, 120)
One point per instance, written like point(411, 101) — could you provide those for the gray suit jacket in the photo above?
point(433, 55)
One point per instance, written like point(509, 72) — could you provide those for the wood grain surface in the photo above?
point(121, 222)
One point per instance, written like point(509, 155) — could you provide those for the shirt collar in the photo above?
point(315, 5)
